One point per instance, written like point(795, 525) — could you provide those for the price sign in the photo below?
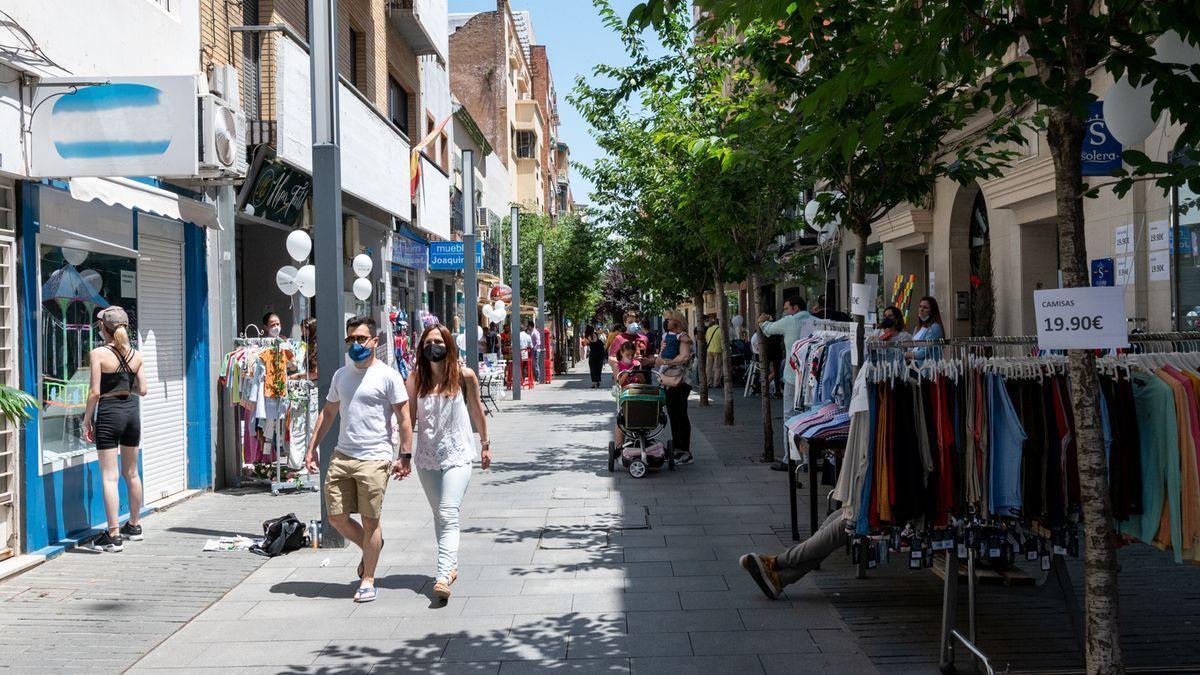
point(1081, 318)
point(862, 299)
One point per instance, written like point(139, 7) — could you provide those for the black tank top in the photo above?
point(120, 381)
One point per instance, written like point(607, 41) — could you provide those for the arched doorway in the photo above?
point(982, 298)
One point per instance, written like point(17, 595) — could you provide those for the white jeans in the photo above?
point(445, 490)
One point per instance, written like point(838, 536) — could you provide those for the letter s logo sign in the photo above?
point(1097, 132)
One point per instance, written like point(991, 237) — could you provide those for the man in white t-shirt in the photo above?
point(367, 394)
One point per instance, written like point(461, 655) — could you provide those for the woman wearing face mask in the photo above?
point(929, 325)
point(443, 403)
point(891, 326)
point(272, 325)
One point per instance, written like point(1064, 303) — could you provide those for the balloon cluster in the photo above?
point(495, 312)
point(825, 224)
point(1127, 108)
point(288, 278)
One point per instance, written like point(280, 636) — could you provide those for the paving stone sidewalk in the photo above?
point(564, 567)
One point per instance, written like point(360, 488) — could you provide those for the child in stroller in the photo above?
point(640, 417)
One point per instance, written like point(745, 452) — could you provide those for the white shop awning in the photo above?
point(132, 194)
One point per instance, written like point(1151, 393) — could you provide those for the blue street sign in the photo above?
point(1103, 272)
point(448, 255)
point(1101, 153)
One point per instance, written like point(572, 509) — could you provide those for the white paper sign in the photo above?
point(1125, 265)
point(932, 286)
point(862, 299)
point(1160, 236)
point(1123, 240)
point(1081, 318)
point(859, 401)
point(128, 284)
point(1160, 266)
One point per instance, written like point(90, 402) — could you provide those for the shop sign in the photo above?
point(278, 192)
point(1103, 272)
point(1081, 318)
point(448, 255)
point(114, 126)
point(1101, 153)
point(408, 252)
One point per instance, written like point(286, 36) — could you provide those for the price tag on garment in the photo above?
point(859, 400)
point(862, 299)
point(1081, 318)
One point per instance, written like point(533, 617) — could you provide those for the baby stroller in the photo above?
point(641, 416)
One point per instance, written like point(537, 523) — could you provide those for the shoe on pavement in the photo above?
point(131, 532)
point(108, 543)
point(441, 588)
point(765, 572)
point(684, 457)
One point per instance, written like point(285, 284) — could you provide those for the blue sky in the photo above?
point(576, 40)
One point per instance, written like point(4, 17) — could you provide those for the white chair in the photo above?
point(751, 376)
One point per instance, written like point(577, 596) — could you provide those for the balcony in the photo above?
point(529, 116)
point(422, 24)
point(277, 99)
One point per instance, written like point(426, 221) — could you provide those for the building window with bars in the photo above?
point(524, 142)
point(357, 56)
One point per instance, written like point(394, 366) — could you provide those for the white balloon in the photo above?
point(362, 289)
point(738, 321)
point(811, 209)
point(499, 306)
point(479, 333)
point(285, 279)
point(74, 256)
point(1170, 48)
point(299, 245)
point(1127, 112)
point(813, 213)
point(93, 279)
point(306, 281)
point(461, 341)
point(362, 265)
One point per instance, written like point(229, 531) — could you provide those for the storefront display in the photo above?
point(1187, 260)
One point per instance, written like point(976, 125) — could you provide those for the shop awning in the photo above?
point(134, 195)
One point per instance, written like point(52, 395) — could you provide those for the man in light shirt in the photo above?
point(536, 339)
point(795, 324)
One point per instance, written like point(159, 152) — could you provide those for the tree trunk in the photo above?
point(1103, 645)
point(726, 361)
point(763, 370)
point(701, 349)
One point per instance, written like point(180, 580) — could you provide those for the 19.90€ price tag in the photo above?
point(1081, 318)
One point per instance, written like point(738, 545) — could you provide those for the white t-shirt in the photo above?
point(526, 341)
point(366, 396)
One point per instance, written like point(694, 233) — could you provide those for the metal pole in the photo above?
point(327, 218)
point(515, 315)
point(540, 366)
point(224, 285)
point(470, 285)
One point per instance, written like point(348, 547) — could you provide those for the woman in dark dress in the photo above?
point(597, 355)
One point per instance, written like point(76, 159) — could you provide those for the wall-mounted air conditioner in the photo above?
point(222, 139)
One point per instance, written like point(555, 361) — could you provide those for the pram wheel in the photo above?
point(612, 456)
point(637, 468)
point(671, 455)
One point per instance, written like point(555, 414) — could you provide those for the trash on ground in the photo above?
point(238, 543)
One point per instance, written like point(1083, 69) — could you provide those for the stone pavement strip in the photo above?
point(564, 567)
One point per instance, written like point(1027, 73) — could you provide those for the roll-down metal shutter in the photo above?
point(160, 337)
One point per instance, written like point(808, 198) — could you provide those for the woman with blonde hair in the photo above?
point(113, 420)
point(443, 399)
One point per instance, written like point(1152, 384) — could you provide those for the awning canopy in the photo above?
point(134, 195)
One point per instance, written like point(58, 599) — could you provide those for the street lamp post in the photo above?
point(327, 217)
point(515, 309)
point(470, 283)
point(541, 314)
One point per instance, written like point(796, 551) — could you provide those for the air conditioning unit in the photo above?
point(223, 81)
point(481, 219)
point(222, 139)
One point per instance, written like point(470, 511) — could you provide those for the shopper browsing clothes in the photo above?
point(113, 420)
point(367, 394)
point(444, 401)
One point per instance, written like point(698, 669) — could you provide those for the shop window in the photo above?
point(75, 284)
point(1187, 260)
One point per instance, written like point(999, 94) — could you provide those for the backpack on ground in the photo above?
point(281, 535)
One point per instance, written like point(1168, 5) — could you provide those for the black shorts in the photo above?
point(118, 422)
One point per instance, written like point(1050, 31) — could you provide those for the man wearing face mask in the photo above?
point(367, 394)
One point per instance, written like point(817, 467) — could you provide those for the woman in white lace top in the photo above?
point(443, 399)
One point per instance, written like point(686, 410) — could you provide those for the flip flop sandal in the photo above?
point(365, 594)
point(361, 570)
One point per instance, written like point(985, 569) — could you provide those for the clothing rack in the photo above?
point(951, 636)
point(835, 326)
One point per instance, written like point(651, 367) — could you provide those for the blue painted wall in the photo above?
point(63, 506)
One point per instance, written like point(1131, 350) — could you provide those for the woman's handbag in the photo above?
point(673, 376)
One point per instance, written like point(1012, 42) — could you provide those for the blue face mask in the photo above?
point(358, 353)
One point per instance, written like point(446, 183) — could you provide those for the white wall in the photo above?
point(113, 37)
point(433, 15)
point(497, 197)
point(435, 90)
point(11, 158)
point(374, 158)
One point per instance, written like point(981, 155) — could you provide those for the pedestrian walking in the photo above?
point(367, 394)
point(675, 360)
point(596, 355)
point(715, 340)
point(444, 402)
point(113, 421)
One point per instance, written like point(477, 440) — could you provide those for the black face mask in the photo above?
point(888, 322)
point(435, 352)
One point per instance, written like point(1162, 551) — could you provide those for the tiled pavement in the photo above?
point(564, 567)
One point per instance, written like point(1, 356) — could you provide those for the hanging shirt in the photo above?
point(1007, 439)
point(1154, 401)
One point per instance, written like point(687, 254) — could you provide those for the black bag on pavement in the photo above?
point(281, 535)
